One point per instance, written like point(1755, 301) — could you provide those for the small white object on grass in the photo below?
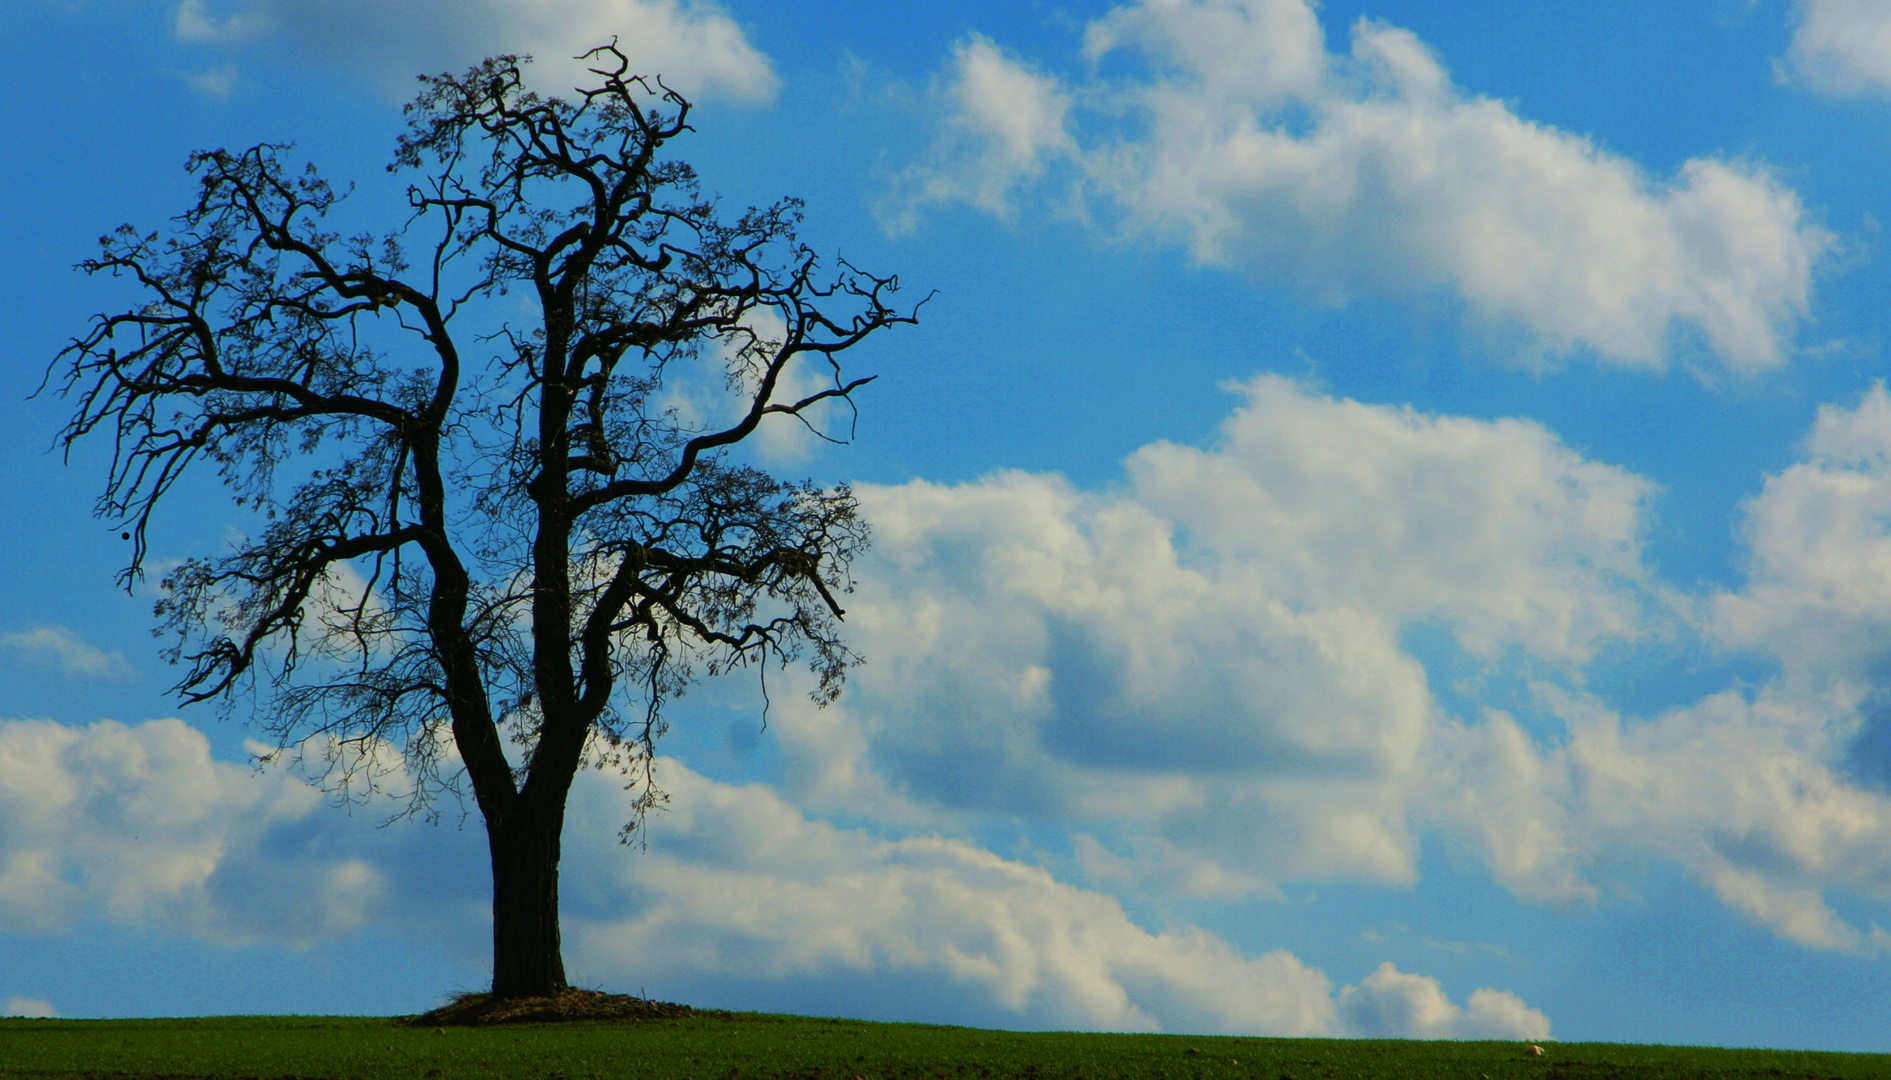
point(1535, 1049)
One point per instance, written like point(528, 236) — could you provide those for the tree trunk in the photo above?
point(526, 957)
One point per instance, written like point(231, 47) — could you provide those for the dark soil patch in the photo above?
point(470, 1010)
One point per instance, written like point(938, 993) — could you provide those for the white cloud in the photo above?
point(194, 22)
point(1775, 798)
point(739, 883)
point(1204, 672)
point(1841, 47)
point(1202, 676)
point(1779, 797)
point(30, 1007)
point(1744, 793)
point(1390, 1004)
point(1818, 591)
point(693, 44)
point(68, 650)
point(1005, 121)
point(1495, 526)
point(213, 82)
point(1796, 913)
point(1249, 143)
point(140, 825)
point(1513, 807)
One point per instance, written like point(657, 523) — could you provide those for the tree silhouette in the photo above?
point(502, 568)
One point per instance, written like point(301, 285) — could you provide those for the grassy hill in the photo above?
point(738, 1046)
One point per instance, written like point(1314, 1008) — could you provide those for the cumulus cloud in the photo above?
point(1208, 664)
point(1227, 126)
point(1841, 47)
point(1494, 526)
point(1775, 797)
point(140, 825)
point(1743, 792)
point(67, 650)
point(1391, 1004)
point(1818, 589)
point(693, 44)
point(1004, 123)
point(1204, 673)
point(738, 882)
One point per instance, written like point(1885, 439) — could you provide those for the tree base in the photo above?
point(469, 1010)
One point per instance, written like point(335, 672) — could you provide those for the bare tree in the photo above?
point(502, 568)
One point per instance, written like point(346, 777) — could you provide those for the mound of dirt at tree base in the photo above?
point(573, 1004)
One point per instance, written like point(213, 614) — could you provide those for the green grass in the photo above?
point(794, 1048)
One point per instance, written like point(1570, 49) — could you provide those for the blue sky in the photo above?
point(1384, 529)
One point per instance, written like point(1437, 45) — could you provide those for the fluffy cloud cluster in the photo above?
point(1773, 797)
point(139, 825)
point(695, 46)
point(1205, 674)
point(1227, 126)
point(1743, 793)
point(1819, 577)
point(1205, 677)
point(1390, 1004)
point(1209, 665)
point(1841, 47)
point(740, 883)
point(1005, 123)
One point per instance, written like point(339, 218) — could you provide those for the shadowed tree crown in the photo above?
point(495, 535)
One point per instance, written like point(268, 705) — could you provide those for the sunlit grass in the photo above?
point(730, 1047)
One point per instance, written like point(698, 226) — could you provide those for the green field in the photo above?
point(728, 1047)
